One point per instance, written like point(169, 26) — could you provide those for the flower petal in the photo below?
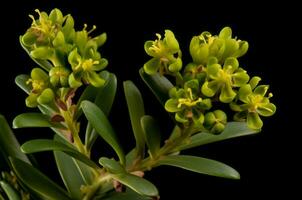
point(102, 64)
point(254, 121)
point(147, 46)
point(261, 90)
point(225, 33)
point(244, 92)
point(227, 94)
point(171, 105)
point(240, 78)
point(94, 79)
point(254, 81)
point(210, 89)
point(213, 70)
point(266, 110)
point(152, 66)
point(231, 61)
point(176, 66)
point(180, 118)
point(73, 82)
point(171, 41)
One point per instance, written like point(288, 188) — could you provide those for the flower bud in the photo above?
point(56, 16)
point(101, 39)
point(31, 100)
point(59, 76)
point(42, 53)
point(46, 96)
point(176, 66)
point(29, 38)
point(218, 128)
point(38, 74)
point(73, 83)
point(171, 41)
point(59, 40)
point(215, 121)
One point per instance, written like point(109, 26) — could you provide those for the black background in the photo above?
point(267, 162)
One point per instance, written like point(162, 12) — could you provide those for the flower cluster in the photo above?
point(70, 57)
point(214, 77)
point(166, 55)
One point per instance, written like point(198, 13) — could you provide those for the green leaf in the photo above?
point(69, 173)
point(39, 145)
point(232, 130)
point(111, 165)
point(200, 165)
point(37, 181)
point(151, 133)
point(90, 93)
point(9, 145)
point(26, 120)
point(104, 100)
point(9, 191)
point(138, 184)
point(131, 157)
point(21, 80)
point(100, 123)
point(136, 111)
point(158, 84)
point(84, 170)
point(105, 97)
point(42, 63)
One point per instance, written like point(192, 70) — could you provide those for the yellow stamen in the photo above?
point(190, 102)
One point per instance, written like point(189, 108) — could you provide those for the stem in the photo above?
point(92, 189)
point(74, 130)
point(169, 147)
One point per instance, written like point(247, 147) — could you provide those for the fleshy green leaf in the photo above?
point(111, 165)
point(21, 80)
point(69, 173)
point(39, 145)
point(138, 184)
point(37, 181)
point(151, 133)
point(104, 100)
point(9, 191)
point(200, 165)
point(105, 97)
point(9, 145)
point(136, 111)
point(100, 123)
point(90, 93)
point(232, 130)
point(159, 85)
point(26, 120)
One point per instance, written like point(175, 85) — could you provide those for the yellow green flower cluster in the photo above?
point(214, 77)
point(69, 58)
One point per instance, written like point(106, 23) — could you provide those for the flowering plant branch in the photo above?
point(71, 82)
